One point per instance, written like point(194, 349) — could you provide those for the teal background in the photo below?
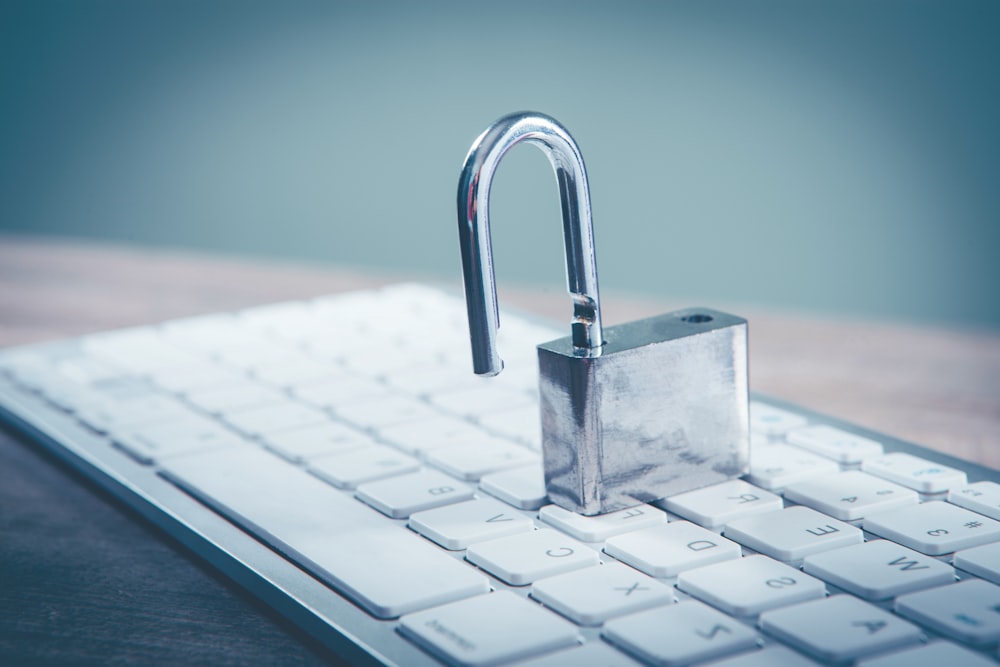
point(838, 157)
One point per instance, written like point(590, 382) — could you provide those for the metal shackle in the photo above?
point(474, 233)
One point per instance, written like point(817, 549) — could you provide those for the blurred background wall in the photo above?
point(829, 156)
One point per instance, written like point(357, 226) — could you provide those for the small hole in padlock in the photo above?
point(697, 318)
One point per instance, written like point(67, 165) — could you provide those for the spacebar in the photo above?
point(384, 568)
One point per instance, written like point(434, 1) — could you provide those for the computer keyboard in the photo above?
point(338, 458)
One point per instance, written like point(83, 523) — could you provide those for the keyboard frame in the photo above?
point(333, 620)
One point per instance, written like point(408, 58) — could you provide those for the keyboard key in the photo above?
point(305, 444)
point(595, 594)
point(155, 442)
point(457, 526)
point(591, 653)
point(184, 379)
point(388, 410)
point(769, 420)
point(935, 654)
point(669, 549)
point(981, 497)
point(715, 506)
point(774, 655)
point(420, 437)
point(680, 634)
point(488, 630)
point(234, 398)
point(968, 611)
point(523, 559)
point(270, 419)
point(521, 487)
point(481, 400)
point(470, 462)
point(879, 569)
point(915, 473)
point(120, 416)
point(839, 628)
point(851, 495)
point(349, 469)
point(600, 528)
point(934, 528)
point(386, 570)
point(522, 424)
point(983, 561)
point(776, 466)
point(750, 585)
point(793, 533)
point(291, 373)
point(834, 443)
point(402, 496)
point(330, 394)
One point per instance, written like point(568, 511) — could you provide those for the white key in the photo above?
point(121, 416)
point(841, 446)
point(774, 655)
point(470, 462)
point(521, 487)
point(591, 653)
point(420, 437)
point(183, 379)
point(769, 420)
point(264, 421)
point(934, 528)
point(968, 611)
point(915, 473)
point(839, 628)
point(600, 528)
point(305, 444)
point(750, 585)
point(349, 469)
point(386, 570)
point(715, 506)
point(792, 533)
point(154, 442)
point(879, 569)
point(477, 401)
point(234, 398)
point(851, 495)
point(297, 372)
point(595, 594)
point(457, 526)
point(776, 466)
point(934, 654)
point(521, 424)
point(523, 559)
point(488, 630)
point(385, 411)
point(667, 550)
point(982, 497)
point(680, 634)
point(335, 392)
point(400, 497)
point(982, 561)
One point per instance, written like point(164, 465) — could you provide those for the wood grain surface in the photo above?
point(84, 581)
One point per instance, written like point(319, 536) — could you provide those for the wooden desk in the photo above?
point(84, 581)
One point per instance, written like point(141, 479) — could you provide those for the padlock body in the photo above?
point(662, 410)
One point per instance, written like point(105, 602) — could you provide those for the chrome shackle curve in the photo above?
point(474, 233)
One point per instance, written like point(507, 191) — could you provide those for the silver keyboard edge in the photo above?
point(340, 625)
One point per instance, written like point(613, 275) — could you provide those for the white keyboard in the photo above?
point(339, 459)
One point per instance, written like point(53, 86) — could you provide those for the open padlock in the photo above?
point(638, 412)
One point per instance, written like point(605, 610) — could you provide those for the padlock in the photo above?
point(631, 414)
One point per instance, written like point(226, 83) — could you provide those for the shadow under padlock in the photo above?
point(631, 414)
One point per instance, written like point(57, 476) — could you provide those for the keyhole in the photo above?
point(697, 318)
